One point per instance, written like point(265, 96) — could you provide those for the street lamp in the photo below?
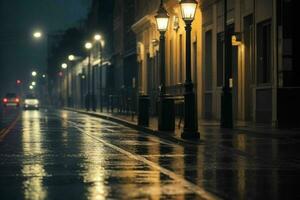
point(100, 42)
point(37, 34)
point(34, 73)
point(88, 46)
point(190, 131)
point(31, 87)
point(71, 57)
point(33, 83)
point(65, 66)
point(162, 22)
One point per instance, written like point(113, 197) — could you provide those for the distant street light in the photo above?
point(37, 34)
point(71, 57)
point(33, 83)
point(44, 76)
point(97, 37)
point(100, 42)
point(34, 73)
point(88, 100)
point(88, 45)
point(31, 87)
point(64, 66)
point(190, 131)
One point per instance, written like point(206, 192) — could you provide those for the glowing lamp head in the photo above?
point(34, 73)
point(188, 9)
point(37, 34)
point(64, 66)
point(97, 37)
point(71, 57)
point(88, 45)
point(162, 19)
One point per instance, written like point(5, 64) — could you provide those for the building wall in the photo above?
point(254, 86)
point(148, 49)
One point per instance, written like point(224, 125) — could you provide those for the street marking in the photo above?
point(6, 130)
point(190, 186)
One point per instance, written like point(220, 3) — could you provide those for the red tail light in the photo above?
point(17, 100)
point(5, 100)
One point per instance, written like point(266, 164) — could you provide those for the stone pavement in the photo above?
point(244, 138)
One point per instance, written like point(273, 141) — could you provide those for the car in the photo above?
point(31, 102)
point(11, 99)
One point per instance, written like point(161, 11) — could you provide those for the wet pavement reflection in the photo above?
point(64, 155)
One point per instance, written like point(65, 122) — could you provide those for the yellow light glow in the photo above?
point(188, 10)
point(34, 73)
point(71, 57)
point(97, 37)
point(64, 66)
point(235, 41)
point(37, 34)
point(88, 45)
point(162, 23)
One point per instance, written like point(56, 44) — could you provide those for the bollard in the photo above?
point(143, 112)
point(166, 114)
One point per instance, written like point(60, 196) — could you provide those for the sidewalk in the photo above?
point(243, 140)
point(206, 128)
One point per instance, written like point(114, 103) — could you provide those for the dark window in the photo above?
point(220, 58)
point(208, 60)
point(264, 52)
point(181, 60)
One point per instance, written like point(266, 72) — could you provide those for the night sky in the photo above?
point(19, 52)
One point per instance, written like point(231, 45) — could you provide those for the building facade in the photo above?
point(264, 83)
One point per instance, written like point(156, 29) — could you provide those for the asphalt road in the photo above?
point(52, 154)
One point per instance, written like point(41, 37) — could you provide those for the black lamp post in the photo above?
point(71, 59)
point(100, 42)
point(65, 67)
point(88, 46)
point(162, 21)
point(226, 101)
point(188, 10)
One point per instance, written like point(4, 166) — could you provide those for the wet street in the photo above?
point(50, 154)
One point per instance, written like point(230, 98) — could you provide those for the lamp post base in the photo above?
point(190, 130)
point(166, 115)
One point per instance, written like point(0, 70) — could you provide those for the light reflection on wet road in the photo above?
point(64, 155)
